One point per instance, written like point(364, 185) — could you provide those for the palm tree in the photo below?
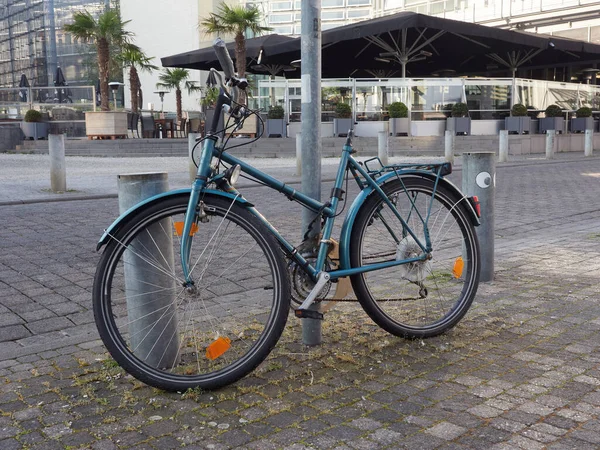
point(172, 79)
point(235, 20)
point(106, 31)
point(136, 60)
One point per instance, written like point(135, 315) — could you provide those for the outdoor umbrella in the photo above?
point(24, 83)
point(59, 80)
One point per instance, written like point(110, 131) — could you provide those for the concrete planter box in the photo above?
point(369, 128)
point(551, 123)
point(459, 125)
point(341, 126)
point(399, 126)
point(580, 124)
point(106, 124)
point(518, 125)
point(276, 128)
point(35, 130)
point(427, 127)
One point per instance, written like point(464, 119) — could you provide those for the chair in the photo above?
point(182, 128)
point(132, 123)
point(148, 127)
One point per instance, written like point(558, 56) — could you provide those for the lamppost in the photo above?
point(162, 98)
point(114, 87)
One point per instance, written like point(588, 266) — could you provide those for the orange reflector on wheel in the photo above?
point(179, 228)
point(218, 347)
point(459, 265)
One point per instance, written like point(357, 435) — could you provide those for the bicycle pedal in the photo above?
point(308, 314)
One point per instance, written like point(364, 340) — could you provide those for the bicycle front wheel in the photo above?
point(206, 335)
point(423, 298)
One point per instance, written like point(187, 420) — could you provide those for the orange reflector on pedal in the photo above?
point(459, 265)
point(179, 228)
point(218, 347)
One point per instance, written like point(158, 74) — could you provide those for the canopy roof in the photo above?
point(426, 45)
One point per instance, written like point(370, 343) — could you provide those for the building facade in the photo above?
point(32, 42)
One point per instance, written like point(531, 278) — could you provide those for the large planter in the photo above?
point(518, 125)
point(341, 126)
point(276, 128)
point(106, 124)
point(580, 124)
point(551, 123)
point(35, 130)
point(459, 125)
point(399, 126)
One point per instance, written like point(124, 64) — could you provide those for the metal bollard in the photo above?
point(191, 143)
point(479, 178)
point(503, 146)
point(151, 314)
point(449, 146)
point(298, 154)
point(589, 143)
point(383, 146)
point(550, 142)
point(58, 171)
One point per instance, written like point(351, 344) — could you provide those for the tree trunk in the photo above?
point(240, 62)
point(103, 71)
point(178, 101)
point(134, 86)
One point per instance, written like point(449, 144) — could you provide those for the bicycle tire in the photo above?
point(425, 298)
point(159, 331)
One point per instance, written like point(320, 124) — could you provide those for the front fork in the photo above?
point(191, 214)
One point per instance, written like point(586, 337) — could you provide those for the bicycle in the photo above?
point(194, 286)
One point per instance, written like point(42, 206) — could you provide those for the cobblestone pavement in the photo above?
point(521, 371)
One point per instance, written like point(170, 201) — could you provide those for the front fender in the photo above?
point(118, 223)
point(362, 196)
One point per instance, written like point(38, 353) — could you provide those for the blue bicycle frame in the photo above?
point(368, 184)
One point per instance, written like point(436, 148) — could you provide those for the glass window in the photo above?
point(329, 25)
point(280, 18)
point(332, 15)
point(358, 2)
point(352, 13)
point(332, 3)
point(487, 101)
point(283, 29)
point(281, 6)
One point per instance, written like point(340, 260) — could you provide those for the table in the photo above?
point(166, 125)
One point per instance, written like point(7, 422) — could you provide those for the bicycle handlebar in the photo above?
point(224, 58)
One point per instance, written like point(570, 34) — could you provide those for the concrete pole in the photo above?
point(589, 143)
point(191, 143)
point(383, 146)
point(298, 154)
point(479, 178)
point(550, 140)
point(310, 55)
point(449, 146)
point(151, 312)
point(503, 150)
point(58, 172)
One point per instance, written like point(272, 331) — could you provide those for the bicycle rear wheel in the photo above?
point(207, 335)
point(423, 298)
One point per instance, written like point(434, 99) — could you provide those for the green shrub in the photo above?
point(398, 110)
point(518, 110)
point(343, 111)
point(460, 110)
point(584, 111)
point(554, 111)
point(276, 112)
point(33, 116)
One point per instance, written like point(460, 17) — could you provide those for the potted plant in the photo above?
point(33, 127)
point(343, 119)
point(398, 118)
point(460, 122)
point(553, 120)
point(518, 122)
point(276, 126)
point(583, 121)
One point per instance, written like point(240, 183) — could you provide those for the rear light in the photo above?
point(476, 205)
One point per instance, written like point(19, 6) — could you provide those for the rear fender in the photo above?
point(362, 197)
point(185, 193)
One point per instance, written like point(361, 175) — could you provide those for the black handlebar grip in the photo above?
point(223, 57)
